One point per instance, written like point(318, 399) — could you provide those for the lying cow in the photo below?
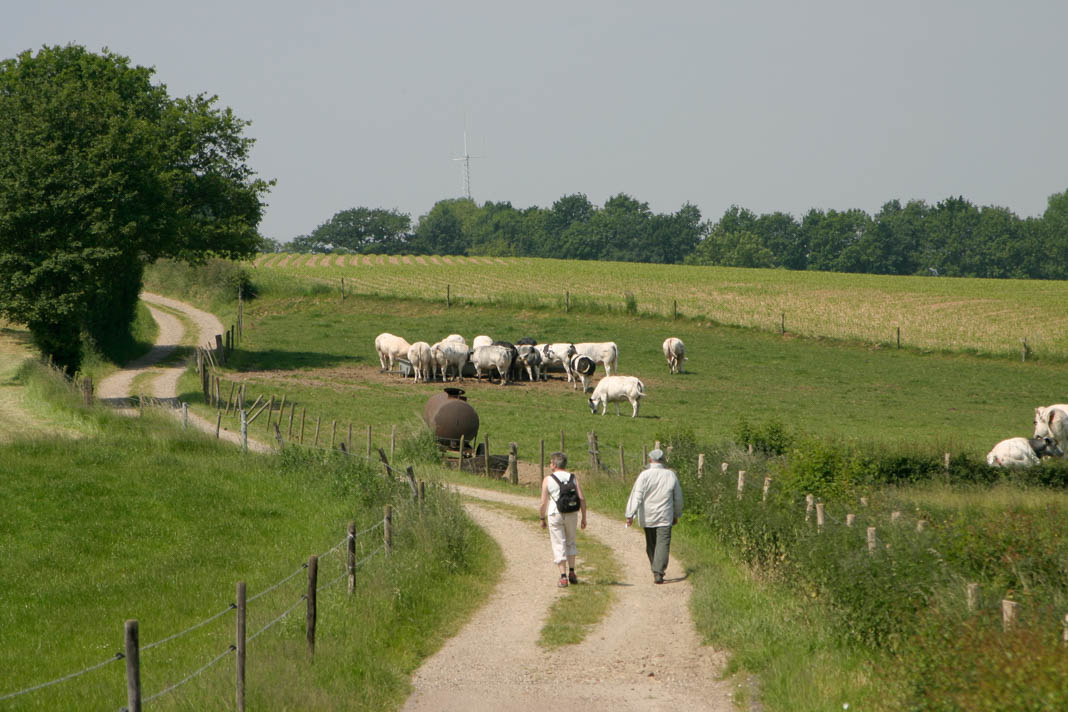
point(1017, 453)
point(675, 353)
point(615, 389)
point(1052, 421)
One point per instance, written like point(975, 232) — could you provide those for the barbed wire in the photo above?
point(284, 614)
point(193, 627)
point(331, 582)
point(229, 649)
point(8, 696)
point(335, 547)
point(268, 590)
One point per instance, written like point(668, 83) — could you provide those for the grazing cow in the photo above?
point(605, 352)
point(615, 389)
point(390, 348)
point(530, 359)
point(486, 358)
point(552, 354)
point(449, 353)
point(675, 353)
point(481, 340)
point(1052, 421)
point(1016, 453)
point(583, 368)
point(422, 361)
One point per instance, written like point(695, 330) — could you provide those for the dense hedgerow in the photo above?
point(905, 596)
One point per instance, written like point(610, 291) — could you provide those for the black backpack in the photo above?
point(568, 500)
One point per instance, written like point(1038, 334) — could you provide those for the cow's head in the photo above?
point(593, 406)
point(571, 350)
point(1045, 447)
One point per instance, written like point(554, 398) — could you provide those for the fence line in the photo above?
point(191, 628)
point(191, 675)
point(8, 696)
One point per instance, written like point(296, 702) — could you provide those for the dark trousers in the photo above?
point(657, 547)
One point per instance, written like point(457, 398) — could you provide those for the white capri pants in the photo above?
point(562, 529)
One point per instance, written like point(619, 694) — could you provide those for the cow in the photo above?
point(530, 359)
point(449, 353)
point(605, 352)
point(513, 366)
point(675, 353)
point(552, 354)
point(615, 389)
point(1016, 453)
point(422, 361)
point(481, 340)
point(486, 358)
point(1052, 421)
point(390, 348)
point(583, 369)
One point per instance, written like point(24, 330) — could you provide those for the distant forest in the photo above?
point(952, 238)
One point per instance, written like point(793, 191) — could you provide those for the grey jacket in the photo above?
point(656, 498)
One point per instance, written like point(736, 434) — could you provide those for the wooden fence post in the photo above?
point(270, 412)
point(392, 443)
point(318, 421)
point(244, 431)
point(368, 442)
point(313, 584)
point(1008, 614)
point(185, 415)
point(767, 486)
point(513, 463)
point(333, 432)
point(972, 593)
point(350, 438)
point(819, 516)
point(278, 437)
point(233, 385)
point(700, 465)
point(387, 530)
point(133, 667)
point(542, 459)
point(448, 295)
point(242, 609)
point(622, 463)
point(302, 412)
point(741, 483)
point(810, 504)
point(218, 425)
point(850, 518)
point(350, 562)
point(292, 411)
point(872, 540)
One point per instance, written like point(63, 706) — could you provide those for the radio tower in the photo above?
point(465, 176)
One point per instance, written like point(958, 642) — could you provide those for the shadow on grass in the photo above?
point(277, 360)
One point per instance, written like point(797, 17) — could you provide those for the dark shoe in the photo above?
point(572, 578)
point(562, 583)
point(658, 578)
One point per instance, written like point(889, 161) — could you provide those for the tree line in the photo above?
point(953, 237)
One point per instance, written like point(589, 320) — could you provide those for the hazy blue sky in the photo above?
point(768, 105)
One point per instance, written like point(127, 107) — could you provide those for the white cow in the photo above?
point(1016, 453)
point(390, 348)
point(486, 358)
point(456, 337)
point(615, 389)
point(481, 340)
point(557, 354)
point(675, 353)
point(605, 352)
point(1052, 421)
point(449, 353)
point(422, 361)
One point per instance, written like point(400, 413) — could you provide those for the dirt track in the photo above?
point(645, 655)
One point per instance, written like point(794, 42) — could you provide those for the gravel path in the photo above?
point(645, 654)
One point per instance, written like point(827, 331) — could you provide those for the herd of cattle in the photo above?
point(579, 361)
point(1050, 440)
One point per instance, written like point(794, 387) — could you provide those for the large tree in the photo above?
point(101, 173)
point(365, 230)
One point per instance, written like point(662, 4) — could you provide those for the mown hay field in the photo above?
point(981, 316)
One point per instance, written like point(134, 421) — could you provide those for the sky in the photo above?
point(829, 104)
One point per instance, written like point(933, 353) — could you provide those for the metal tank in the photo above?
point(449, 416)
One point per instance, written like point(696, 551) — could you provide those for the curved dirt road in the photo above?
point(645, 655)
point(115, 389)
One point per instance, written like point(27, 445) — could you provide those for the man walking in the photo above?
point(656, 500)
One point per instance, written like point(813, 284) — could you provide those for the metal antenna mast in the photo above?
point(465, 178)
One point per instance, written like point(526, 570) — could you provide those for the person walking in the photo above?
point(656, 500)
point(559, 513)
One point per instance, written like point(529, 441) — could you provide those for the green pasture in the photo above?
point(982, 316)
point(318, 351)
point(145, 521)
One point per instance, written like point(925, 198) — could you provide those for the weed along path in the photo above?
point(645, 654)
point(116, 388)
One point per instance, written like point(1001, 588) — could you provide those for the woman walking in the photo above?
point(561, 502)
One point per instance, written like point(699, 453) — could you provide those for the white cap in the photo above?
point(656, 454)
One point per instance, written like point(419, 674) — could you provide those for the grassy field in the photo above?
point(984, 316)
point(145, 521)
point(318, 351)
